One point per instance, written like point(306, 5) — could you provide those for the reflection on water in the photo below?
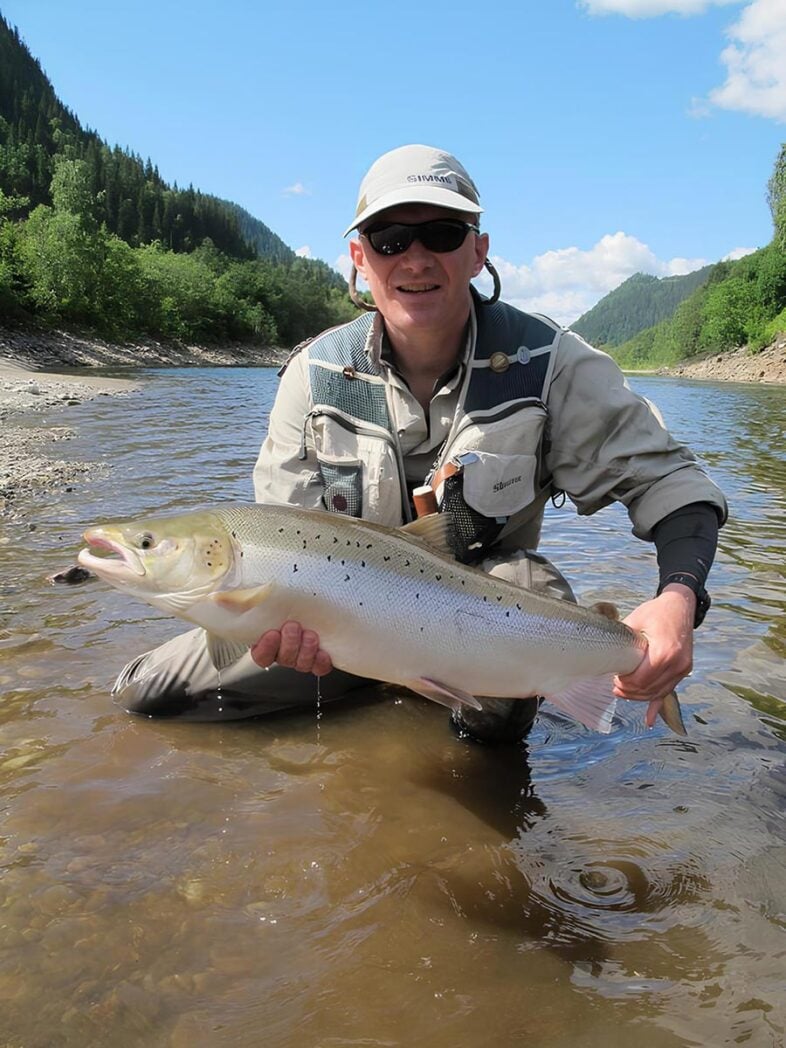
point(371, 879)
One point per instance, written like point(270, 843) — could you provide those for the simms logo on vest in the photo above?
point(502, 484)
point(443, 180)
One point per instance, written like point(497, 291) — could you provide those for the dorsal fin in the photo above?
point(434, 529)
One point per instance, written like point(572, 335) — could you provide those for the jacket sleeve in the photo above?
point(607, 444)
point(281, 476)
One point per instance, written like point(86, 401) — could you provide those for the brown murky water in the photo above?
point(367, 879)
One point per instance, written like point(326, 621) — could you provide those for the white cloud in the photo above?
point(297, 189)
point(343, 265)
point(756, 62)
point(651, 8)
point(567, 282)
point(738, 252)
point(304, 252)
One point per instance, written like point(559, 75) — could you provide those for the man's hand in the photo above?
point(294, 647)
point(667, 622)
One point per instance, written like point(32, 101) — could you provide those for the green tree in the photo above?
point(776, 198)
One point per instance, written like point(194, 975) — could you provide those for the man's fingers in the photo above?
point(309, 646)
point(293, 647)
point(265, 651)
point(653, 710)
point(289, 649)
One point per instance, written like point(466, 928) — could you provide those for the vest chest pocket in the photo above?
point(358, 467)
point(499, 485)
point(500, 460)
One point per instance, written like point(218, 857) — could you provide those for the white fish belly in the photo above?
point(397, 627)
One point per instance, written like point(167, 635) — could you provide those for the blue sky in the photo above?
point(606, 136)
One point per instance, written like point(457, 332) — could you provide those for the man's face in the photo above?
point(420, 290)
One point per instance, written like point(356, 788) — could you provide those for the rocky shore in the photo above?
point(31, 385)
point(739, 365)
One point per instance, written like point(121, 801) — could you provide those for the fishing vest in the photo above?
point(491, 465)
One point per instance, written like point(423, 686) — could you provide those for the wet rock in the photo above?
point(73, 576)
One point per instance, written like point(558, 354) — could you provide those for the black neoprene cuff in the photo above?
point(686, 541)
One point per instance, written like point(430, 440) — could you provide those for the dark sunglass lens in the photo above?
point(392, 239)
point(442, 236)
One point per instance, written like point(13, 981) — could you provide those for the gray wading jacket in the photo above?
point(534, 410)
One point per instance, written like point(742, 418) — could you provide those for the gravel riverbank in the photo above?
point(35, 397)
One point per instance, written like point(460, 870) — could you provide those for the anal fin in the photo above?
point(445, 694)
point(591, 702)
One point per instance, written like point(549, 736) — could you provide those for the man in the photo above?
point(495, 409)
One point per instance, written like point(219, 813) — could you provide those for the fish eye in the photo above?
point(145, 540)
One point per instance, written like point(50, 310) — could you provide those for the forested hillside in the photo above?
point(638, 303)
point(741, 303)
point(92, 236)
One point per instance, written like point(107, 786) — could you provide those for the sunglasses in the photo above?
point(439, 235)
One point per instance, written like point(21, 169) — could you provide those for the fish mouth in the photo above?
point(109, 566)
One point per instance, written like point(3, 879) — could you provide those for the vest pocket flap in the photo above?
point(499, 485)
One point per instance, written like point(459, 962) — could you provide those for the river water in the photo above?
point(367, 879)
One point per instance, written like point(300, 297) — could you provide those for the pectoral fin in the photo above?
point(222, 652)
point(242, 600)
point(445, 694)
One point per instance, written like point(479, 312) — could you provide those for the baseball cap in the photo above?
point(415, 175)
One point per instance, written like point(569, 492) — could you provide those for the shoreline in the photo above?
point(31, 382)
point(736, 365)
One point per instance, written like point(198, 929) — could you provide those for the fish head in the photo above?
point(170, 561)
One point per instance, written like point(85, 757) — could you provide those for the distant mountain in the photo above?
point(92, 236)
point(260, 237)
point(639, 302)
point(129, 195)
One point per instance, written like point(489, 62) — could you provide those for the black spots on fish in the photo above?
point(386, 558)
point(406, 563)
point(294, 567)
point(369, 545)
point(346, 578)
point(438, 578)
point(499, 599)
point(518, 607)
point(422, 628)
point(343, 563)
point(360, 604)
point(461, 581)
point(335, 540)
point(329, 558)
point(417, 596)
point(210, 563)
point(507, 614)
point(422, 571)
point(349, 542)
point(317, 538)
point(281, 531)
point(234, 534)
point(358, 545)
point(305, 544)
point(362, 563)
point(242, 554)
point(485, 600)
